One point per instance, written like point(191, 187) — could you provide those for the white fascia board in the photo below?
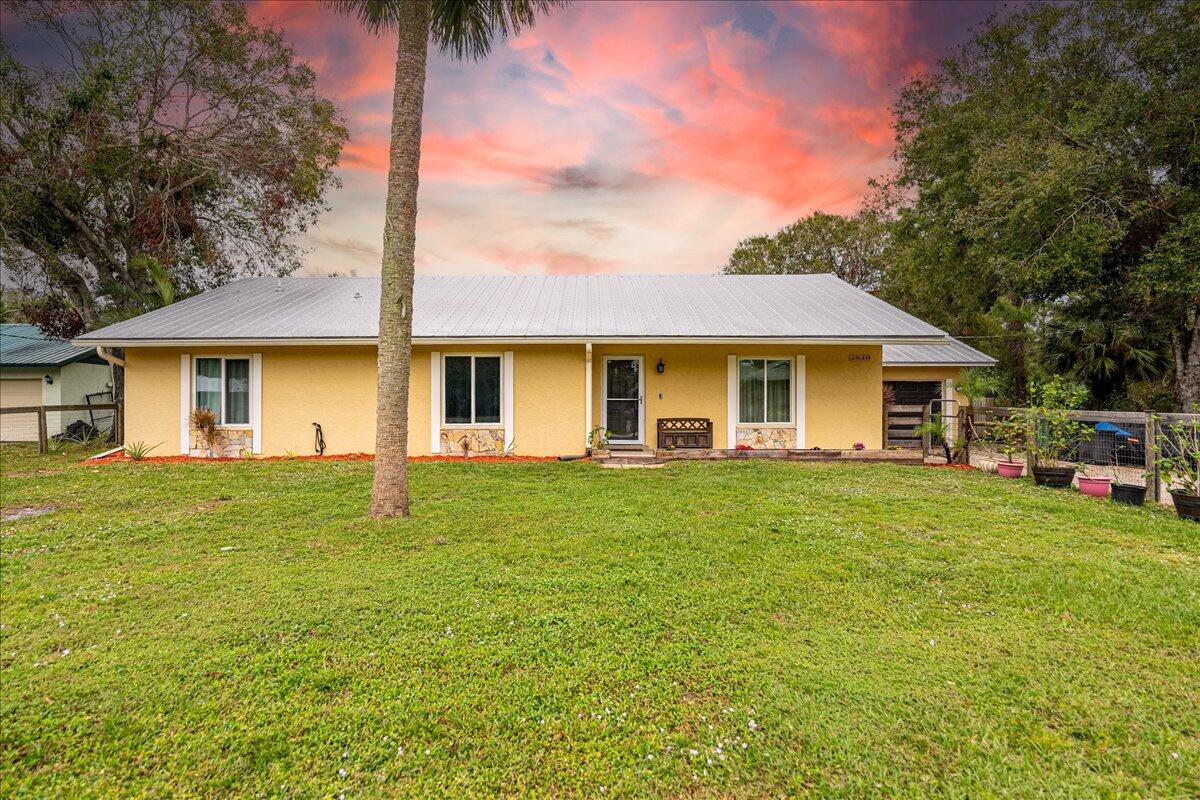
point(233, 342)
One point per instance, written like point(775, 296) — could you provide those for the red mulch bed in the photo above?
point(951, 466)
point(346, 457)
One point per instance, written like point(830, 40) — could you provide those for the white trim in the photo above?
point(800, 379)
point(185, 404)
point(435, 402)
point(256, 402)
point(587, 395)
point(732, 404)
point(641, 399)
point(465, 340)
point(506, 399)
point(791, 423)
point(950, 404)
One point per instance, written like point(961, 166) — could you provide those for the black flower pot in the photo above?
point(1128, 493)
point(1187, 505)
point(1054, 477)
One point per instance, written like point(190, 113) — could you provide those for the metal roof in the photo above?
point(704, 307)
point(24, 345)
point(952, 354)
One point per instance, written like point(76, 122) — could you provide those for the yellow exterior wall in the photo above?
point(843, 397)
point(335, 386)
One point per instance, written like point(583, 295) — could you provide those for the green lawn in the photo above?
point(718, 630)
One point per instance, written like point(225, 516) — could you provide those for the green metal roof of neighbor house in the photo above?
point(568, 308)
point(24, 345)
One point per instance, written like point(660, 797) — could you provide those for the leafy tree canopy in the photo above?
point(1054, 163)
point(850, 247)
point(173, 146)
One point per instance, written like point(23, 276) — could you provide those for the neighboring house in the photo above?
point(529, 364)
point(38, 371)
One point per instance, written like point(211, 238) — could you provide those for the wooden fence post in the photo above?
point(1151, 458)
point(118, 424)
point(43, 443)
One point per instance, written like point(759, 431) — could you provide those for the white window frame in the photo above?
point(237, 426)
point(737, 396)
point(503, 393)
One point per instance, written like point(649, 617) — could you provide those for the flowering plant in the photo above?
point(743, 446)
point(859, 446)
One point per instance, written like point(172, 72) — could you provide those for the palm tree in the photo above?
point(465, 29)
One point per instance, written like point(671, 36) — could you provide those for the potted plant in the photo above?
point(1178, 449)
point(1053, 436)
point(1092, 485)
point(1008, 436)
point(1128, 493)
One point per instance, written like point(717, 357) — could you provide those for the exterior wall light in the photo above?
point(661, 367)
point(49, 380)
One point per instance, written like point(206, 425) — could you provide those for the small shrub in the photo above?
point(204, 422)
point(136, 451)
point(598, 437)
point(859, 446)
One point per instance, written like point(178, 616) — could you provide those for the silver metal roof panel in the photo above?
point(819, 307)
point(952, 354)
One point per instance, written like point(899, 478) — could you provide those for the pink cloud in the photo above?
point(751, 113)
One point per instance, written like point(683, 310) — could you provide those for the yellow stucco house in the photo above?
point(530, 364)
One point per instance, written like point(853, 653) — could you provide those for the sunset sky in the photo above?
point(622, 137)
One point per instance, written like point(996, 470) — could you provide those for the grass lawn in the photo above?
point(717, 629)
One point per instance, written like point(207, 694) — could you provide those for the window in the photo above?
point(764, 390)
point(223, 384)
point(472, 390)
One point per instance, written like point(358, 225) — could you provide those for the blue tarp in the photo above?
point(1108, 427)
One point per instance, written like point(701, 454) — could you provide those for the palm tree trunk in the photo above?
point(389, 494)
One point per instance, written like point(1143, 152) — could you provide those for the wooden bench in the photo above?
point(685, 433)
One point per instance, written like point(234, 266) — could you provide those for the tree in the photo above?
point(1052, 163)
point(175, 144)
point(464, 29)
point(850, 247)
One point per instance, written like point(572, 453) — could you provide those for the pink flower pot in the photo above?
point(1010, 469)
point(1094, 487)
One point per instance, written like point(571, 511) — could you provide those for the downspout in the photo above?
point(112, 360)
point(119, 414)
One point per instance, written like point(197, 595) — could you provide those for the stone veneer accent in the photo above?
point(231, 443)
point(766, 438)
point(475, 441)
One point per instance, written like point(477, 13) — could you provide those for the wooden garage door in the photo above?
point(19, 392)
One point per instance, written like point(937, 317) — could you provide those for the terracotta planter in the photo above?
point(1128, 493)
point(1094, 487)
point(1010, 469)
point(1053, 477)
point(1187, 505)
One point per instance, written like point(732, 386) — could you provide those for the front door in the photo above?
point(622, 407)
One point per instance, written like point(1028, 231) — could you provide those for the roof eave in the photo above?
point(435, 340)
